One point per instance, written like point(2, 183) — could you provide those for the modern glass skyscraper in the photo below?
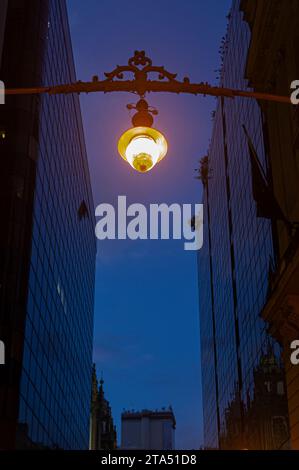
point(237, 353)
point(48, 246)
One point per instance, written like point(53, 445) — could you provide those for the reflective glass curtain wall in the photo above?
point(234, 261)
point(55, 390)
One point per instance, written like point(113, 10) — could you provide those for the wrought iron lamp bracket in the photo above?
point(141, 67)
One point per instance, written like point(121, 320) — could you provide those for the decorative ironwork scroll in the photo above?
point(141, 68)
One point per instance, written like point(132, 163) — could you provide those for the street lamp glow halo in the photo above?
point(142, 147)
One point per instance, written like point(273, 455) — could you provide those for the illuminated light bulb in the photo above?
point(142, 147)
point(143, 153)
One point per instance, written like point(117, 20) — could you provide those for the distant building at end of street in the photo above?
point(148, 429)
point(102, 429)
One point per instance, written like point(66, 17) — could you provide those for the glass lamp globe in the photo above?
point(142, 147)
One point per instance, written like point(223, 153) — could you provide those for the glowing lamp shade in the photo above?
point(142, 147)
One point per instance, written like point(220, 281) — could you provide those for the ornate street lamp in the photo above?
point(142, 146)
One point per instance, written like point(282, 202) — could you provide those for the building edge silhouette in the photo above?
point(48, 246)
point(273, 63)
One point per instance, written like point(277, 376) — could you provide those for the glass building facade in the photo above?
point(234, 272)
point(52, 385)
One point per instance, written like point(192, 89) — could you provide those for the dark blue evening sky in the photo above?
point(146, 337)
